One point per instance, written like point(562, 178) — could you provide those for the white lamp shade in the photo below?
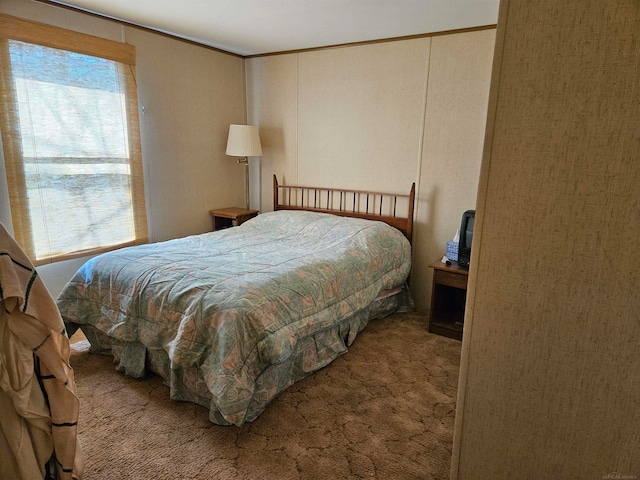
point(243, 141)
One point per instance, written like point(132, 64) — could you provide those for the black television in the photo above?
point(466, 237)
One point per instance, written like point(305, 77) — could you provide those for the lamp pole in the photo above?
point(245, 161)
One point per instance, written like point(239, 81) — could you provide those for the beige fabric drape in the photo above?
point(38, 424)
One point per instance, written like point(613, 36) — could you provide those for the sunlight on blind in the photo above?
point(75, 147)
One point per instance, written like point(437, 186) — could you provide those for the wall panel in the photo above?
point(190, 95)
point(272, 92)
point(549, 374)
point(456, 111)
point(360, 115)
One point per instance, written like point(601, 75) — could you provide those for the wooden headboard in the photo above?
point(379, 206)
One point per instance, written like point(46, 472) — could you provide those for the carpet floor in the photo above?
point(384, 410)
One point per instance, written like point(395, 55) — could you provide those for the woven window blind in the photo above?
point(71, 141)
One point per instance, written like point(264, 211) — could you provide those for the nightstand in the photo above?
point(230, 217)
point(448, 299)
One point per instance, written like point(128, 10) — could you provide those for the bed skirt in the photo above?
point(188, 384)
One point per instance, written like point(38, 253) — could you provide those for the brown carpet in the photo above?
point(384, 410)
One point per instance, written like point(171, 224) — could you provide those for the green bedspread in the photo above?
point(233, 317)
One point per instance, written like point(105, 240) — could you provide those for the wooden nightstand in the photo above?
point(448, 299)
point(230, 217)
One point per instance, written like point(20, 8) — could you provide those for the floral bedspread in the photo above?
point(224, 307)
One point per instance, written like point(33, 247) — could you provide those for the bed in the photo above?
point(231, 318)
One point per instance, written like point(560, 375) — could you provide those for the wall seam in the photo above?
point(297, 180)
point(416, 213)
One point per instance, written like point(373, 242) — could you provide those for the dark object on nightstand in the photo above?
point(466, 237)
point(448, 299)
point(230, 217)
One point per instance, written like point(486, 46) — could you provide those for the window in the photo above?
point(71, 141)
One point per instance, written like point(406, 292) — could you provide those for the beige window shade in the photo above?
point(71, 141)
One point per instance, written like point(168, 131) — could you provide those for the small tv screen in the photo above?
point(466, 238)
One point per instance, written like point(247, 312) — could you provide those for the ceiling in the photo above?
point(252, 27)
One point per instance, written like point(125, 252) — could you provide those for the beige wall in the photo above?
point(190, 95)
point(549, 376)
point(379, 117)
point(457, 97)
point(272, 104)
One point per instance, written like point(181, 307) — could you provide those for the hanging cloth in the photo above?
point(38, 404)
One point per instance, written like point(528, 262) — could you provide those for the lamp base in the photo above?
point(245, 161)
